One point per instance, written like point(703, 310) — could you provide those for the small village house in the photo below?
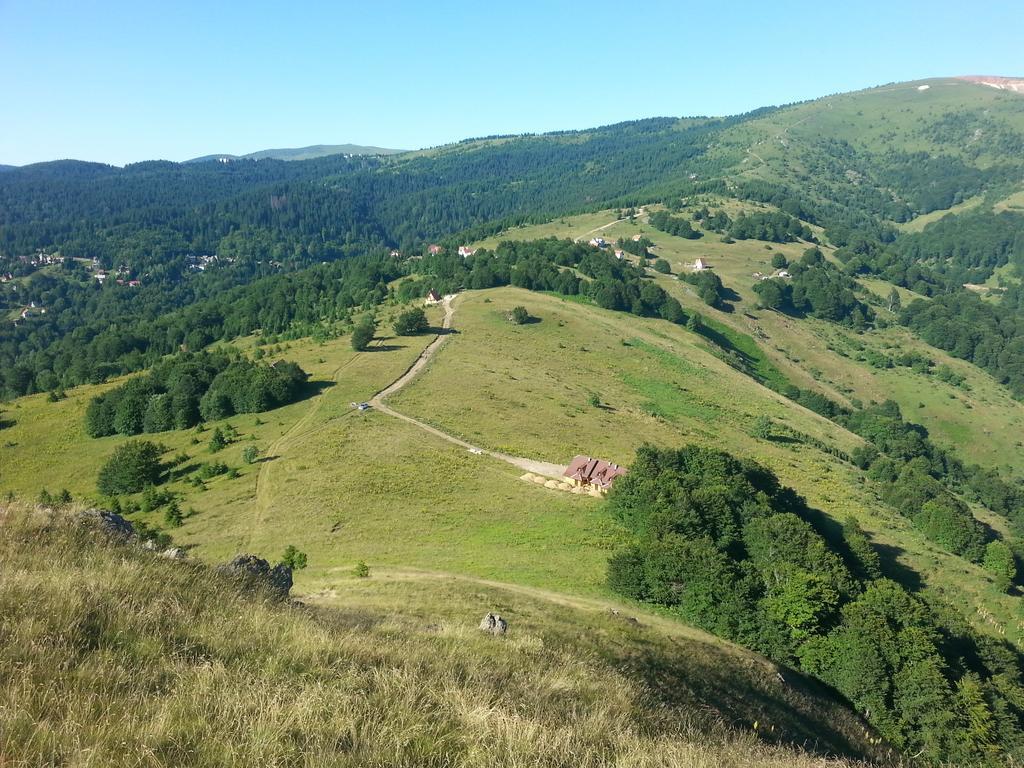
point(465, 250)
point(434, 249)
point(433, 298)
point(699, 265)
point(593, 474)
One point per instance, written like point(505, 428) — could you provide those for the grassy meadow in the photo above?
point(345, 486)
point(170, 663)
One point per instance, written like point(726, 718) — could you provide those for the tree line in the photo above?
point(182, 391)
point(720, 542)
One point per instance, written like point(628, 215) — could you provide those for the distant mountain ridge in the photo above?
point(1013, 84)
point(302, 153)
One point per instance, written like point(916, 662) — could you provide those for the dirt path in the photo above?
point(377, 401)
point(590, 604)
point(264, 483)
point(640, 212)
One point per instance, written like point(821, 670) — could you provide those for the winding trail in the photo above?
point(632, 614)
point(377, 401)
point(264, 484)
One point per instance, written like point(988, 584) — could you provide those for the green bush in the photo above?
point(519, 315)
point(130, 468)
point(411, 322)
point(363, 334)
point(1000, 562)
point(293, 558)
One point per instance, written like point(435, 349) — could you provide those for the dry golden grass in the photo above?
point(113, 656)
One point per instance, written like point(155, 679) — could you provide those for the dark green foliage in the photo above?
point(212, 469)
point(779, 261)
point(293, 558)
point(674, 225)
point(641, 247)
point(519, 315)
point(181, 390)
point(719, 542)
point(716, 221)
point(250, 453)
point(130, 468)
point(542, 265)
point(1000, 562)
point(172, 515)
point(363, 333)
point(660, 265)
point(218, 441)
point(949, 523)
point(865, 565)
point(774, 227)
point(411, 322)
point(885, 657)
point(708, 284)
point(815, 288)
point(984, 333)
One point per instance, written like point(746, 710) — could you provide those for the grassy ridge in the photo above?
point(112, 656)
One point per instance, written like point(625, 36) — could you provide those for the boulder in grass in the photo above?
point(493, 624)
point(109, 523)
point(254, 571)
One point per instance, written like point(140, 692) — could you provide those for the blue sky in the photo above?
point(124, 81)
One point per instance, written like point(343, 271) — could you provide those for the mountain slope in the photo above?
point(895, 151)
point(191, 669)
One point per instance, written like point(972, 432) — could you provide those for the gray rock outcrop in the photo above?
point(493, 624)
point(109, 522)
point(254, 571)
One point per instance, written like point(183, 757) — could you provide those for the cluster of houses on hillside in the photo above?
point(200, 263)
point(783, 273)
point(434, 249)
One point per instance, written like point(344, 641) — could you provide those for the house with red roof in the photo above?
point(596, 474)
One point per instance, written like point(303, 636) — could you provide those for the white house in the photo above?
point(700, 265)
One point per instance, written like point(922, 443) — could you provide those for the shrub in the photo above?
point(172, 515)
point(363, 334)
point(411, 322)
point(663, 266)
point(293, 558)
point(361, 571)
point(519, 315)
point(999, 561)
point(218, 441)
point(130, 468)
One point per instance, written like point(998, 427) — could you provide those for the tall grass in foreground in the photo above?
point(111, 656)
